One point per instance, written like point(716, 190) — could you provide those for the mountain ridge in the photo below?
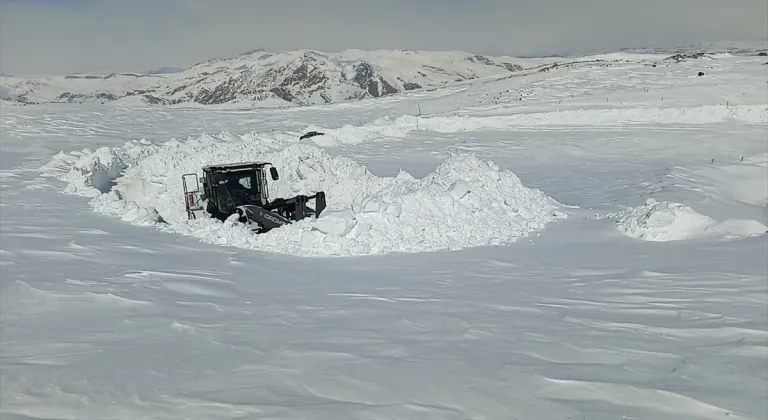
point(261, 78)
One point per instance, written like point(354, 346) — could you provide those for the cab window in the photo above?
point(245, 182)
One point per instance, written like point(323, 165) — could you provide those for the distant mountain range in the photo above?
point(737, 47)
point(293, 78)
point(259, 78)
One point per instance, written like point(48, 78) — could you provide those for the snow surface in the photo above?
point(403, 125)
point(588, 252)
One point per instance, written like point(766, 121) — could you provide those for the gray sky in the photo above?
point(61, 36)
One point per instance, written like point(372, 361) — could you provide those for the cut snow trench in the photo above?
point(464, 203)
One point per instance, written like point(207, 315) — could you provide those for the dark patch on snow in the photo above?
point(411, 86)
point(677, 58)
point(512, 67)
point(481, 59)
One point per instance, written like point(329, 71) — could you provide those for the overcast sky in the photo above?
point(61, 36)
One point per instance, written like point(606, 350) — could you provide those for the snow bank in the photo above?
point(663, 221)
point(400, 127)
point(92, 172)
point(465, 202)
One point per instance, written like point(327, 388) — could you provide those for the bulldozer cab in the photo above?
point(235, 185)
point(242, 189)
point(226, 187)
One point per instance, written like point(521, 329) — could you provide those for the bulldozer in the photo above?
point(242, 189)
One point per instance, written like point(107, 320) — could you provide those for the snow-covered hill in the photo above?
point(259, 78)
point(733, 47)
point(289, 78)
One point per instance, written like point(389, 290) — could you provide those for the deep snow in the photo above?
point(464, 202)
point(547, 306)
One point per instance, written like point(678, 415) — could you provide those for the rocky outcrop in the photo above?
point(678, 58)
point(371, 82)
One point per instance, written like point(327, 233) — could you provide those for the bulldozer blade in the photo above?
point(264, 218)
point(319, 203)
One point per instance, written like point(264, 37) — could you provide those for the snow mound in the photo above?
point(663, 221)
point(465, 202)
point(388, 128)
point(383, 128)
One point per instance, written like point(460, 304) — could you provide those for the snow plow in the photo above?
point(242, 189)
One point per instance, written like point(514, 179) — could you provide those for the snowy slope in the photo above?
point(306, 77)
point(79, 88)
point(262, 79)
point(259, 78)
point(744, 47)
point(583, 242)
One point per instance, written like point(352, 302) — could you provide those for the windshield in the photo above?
point(241, 187)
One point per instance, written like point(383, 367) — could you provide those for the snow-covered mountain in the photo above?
point(259, 78)
point(306, 77)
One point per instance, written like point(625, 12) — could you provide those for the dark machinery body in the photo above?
point(242, 188)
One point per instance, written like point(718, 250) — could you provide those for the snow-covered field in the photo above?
point(572, 244)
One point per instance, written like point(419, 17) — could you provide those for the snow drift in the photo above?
point(743, 181)
point(387, 128)
point(663, 221)
point(465, 202)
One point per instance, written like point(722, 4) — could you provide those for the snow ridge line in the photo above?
point(400, 127)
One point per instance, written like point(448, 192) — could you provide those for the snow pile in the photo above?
point(663, 221)
point(383, 128)
point(92, 172)
point(400, 127)
point(465, 202)
point(112, 203)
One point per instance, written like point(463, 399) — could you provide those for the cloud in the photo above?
point(58, 36)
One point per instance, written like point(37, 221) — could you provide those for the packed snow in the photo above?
point(557, 245)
